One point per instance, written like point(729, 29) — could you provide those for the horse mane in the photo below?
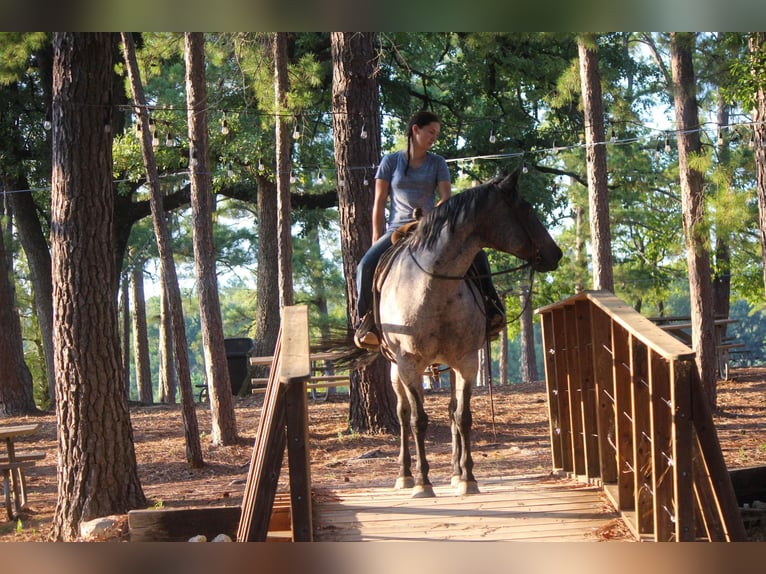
point(461, 206)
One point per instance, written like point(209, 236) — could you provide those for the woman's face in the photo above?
point(426, 136)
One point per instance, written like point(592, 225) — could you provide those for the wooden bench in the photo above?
point(22, 461)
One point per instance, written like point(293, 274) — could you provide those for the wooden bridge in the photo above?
point(629, 426)
point(627, 411)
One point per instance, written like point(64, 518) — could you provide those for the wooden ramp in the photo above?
point(523, 509)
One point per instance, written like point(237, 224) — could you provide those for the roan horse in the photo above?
point(429, 314)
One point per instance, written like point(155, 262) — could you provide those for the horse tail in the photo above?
point(342, 351)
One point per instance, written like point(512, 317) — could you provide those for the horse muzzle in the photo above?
point(547, 261)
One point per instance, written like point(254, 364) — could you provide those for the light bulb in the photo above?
point(296, 133)
point(47, 125)
point(613, 137)
point(292, 177)
point(224, 128)
point(363, 133)
point(524, 169)
point(230, 172)
point(168, 140)
point(155, 140)
point(260, 165)
point(492, 138)
point(667, 145)
point(320, 178)
point(366, 182)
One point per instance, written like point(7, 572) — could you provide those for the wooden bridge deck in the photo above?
point(519, 508)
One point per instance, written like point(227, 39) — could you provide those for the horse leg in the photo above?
point(413, 386)
point(404, 480)
point(466, 483)
point(456, 450)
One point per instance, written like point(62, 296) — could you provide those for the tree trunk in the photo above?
point(97, 471)
point(39, 260)
point(125, 314)
point(758, 48)
point(722, 277)
point(167, 264)
point(140, 337)
point(282, 137)
point(355, 104)
point(223, 421)
point(595, 158)
point(16, 396)
point(693, 204)
point(167, 374)
point(528, 356)
point(267, 288)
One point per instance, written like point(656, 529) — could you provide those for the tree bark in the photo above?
point(722, 276)
point(267, 288)
point(140, 337)
point(693, 205)
point(16, 396)
point(97, 471)
point(167, 374)
point(527, 340)
point(223, 420)
point(757, 42)
point(167, 264)
point(125, 314)
point(595, 159)
point(39, 258)
point(282, 137)
point(355, 104)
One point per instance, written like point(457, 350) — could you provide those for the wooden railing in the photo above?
point(627, 411)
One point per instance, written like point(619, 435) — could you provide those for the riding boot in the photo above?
point(366, 335)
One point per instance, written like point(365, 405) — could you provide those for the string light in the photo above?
point(260, 165)
point(613, 137)
point(292, 177)
point(224, 125)
point(230, 172)
point(492, 137)
point(524, 168)
point(168, 140)
point(363, 133)
point(296, 132)
point(320, 178)
point(667, 143)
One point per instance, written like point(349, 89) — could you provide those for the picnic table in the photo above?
point(680, 327)
point(12, 465)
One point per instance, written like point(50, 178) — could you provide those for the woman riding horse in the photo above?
point(411, 177)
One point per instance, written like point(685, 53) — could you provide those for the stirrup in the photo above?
point(366, 336)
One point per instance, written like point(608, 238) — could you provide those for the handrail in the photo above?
point(627, 410)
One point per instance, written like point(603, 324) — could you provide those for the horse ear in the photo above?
point(511, 181)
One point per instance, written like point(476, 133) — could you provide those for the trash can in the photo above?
point(237, 353)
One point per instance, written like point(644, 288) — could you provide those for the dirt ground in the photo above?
point(516, 444)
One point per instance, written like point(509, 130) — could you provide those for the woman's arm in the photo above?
point(379, 209)
point(444, 189)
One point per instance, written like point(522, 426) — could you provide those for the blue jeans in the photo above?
point(365, 272)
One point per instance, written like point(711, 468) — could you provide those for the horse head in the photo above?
point(545, 253)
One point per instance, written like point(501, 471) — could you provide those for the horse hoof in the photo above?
point(404, 482)
point(454, 481)
point(467, 487)
point(423, 491)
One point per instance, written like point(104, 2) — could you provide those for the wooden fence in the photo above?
point(627, 411)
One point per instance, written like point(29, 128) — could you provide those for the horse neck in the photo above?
point(452, 253)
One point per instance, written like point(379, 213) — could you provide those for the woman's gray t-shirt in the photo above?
point(415, 189)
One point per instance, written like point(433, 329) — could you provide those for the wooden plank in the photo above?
point(299, 462)
point(295, 362)
point(564, 432)
point(681, 376)
point(642, 441)
point(662, 448)
point(588, 390)
point(549, 364)
point(265, 462)
point(602, 361)
point(623, 417)
point(574, 384)
point(709, 519)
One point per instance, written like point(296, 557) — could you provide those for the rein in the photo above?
point(463, 277)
